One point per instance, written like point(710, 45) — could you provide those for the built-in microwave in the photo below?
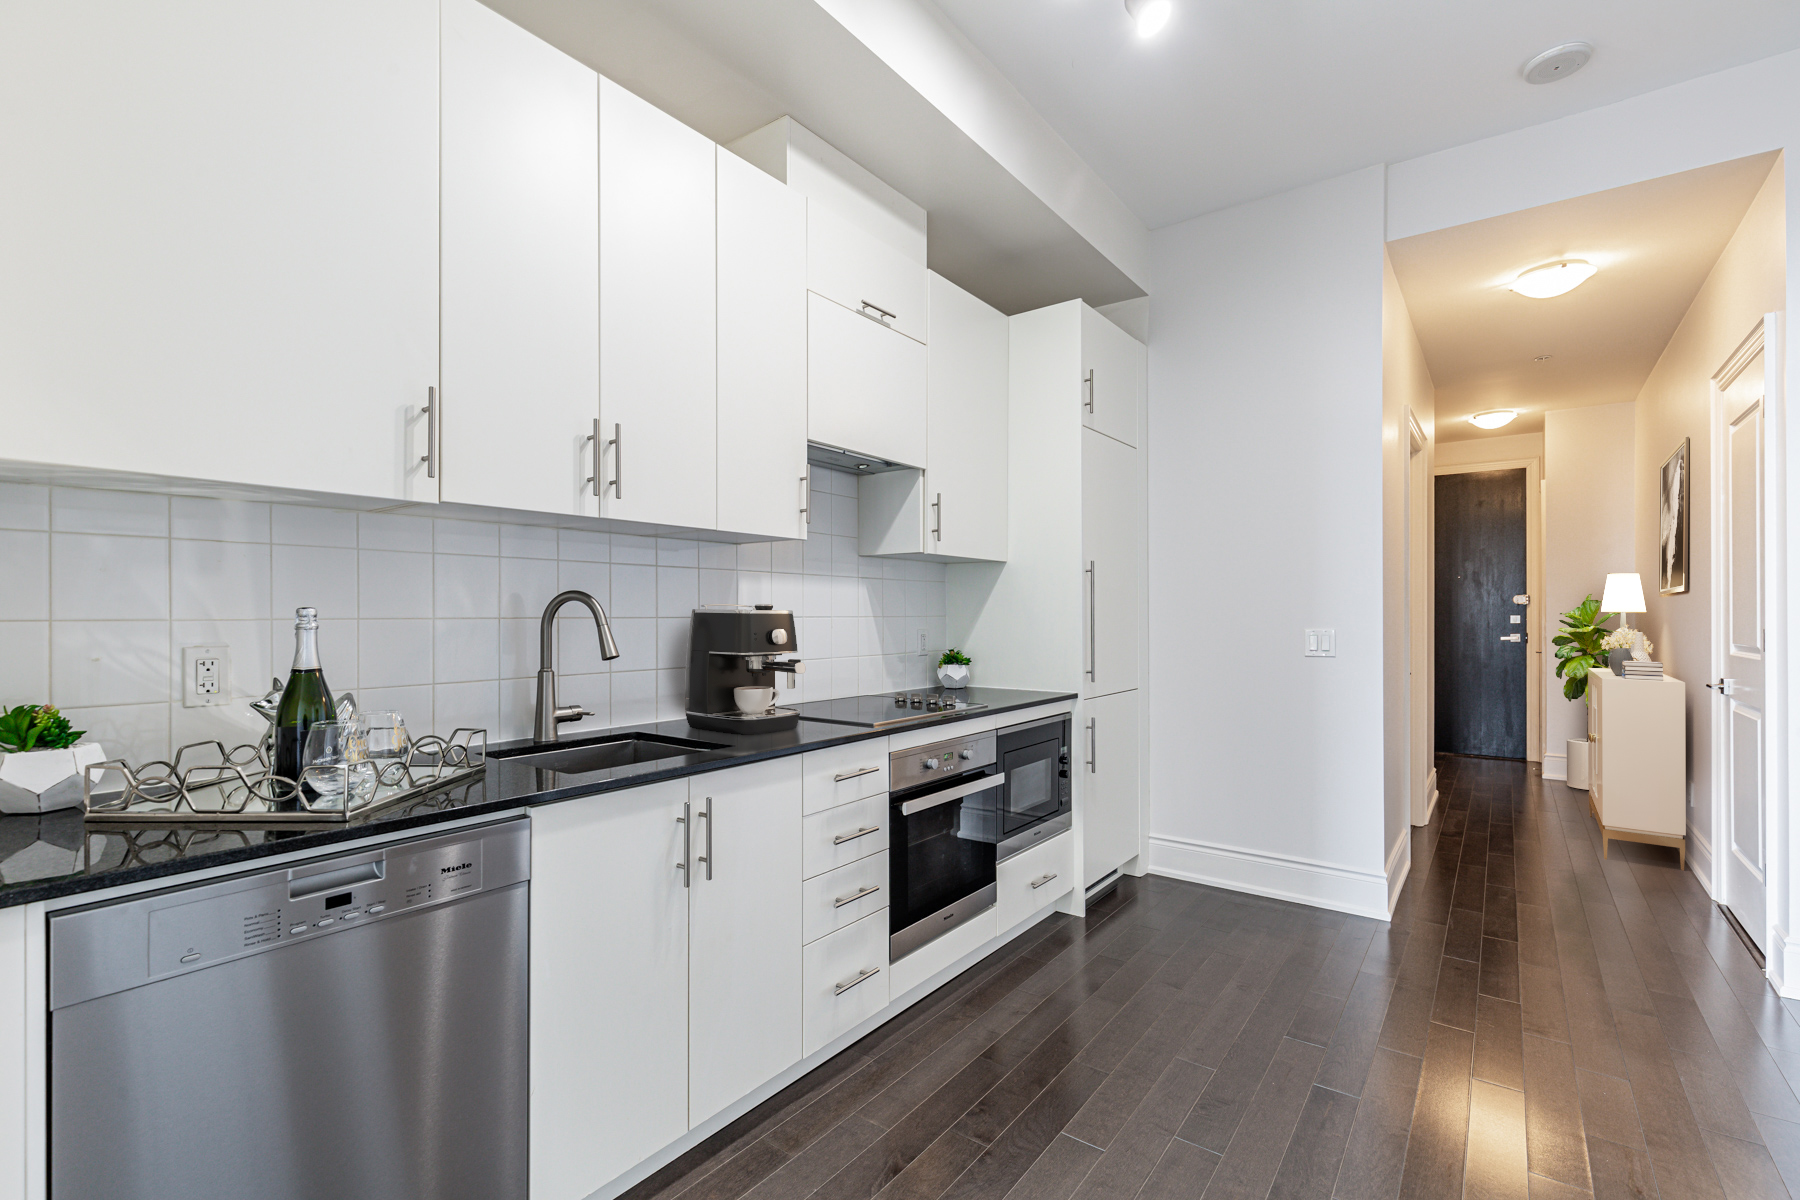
point(1034, 757)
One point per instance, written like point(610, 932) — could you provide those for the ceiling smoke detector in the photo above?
point(1150, 15)
point(1493, 418)
point(1558, 62)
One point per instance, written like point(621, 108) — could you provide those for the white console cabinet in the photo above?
point(1637, 765)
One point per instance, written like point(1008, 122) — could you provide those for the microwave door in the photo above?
point(1033, 789)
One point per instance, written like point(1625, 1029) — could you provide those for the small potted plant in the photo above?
point(41, 760)
point(953, 669)
point(1580, 650)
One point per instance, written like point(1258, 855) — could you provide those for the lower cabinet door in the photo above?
point(1106, 741)
point(745, 920)
point(846, 979)
point(609, 986)
point(1033, 880)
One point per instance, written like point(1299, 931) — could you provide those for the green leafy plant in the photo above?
point(1578, 646)
point(954, 657)
point(36, 727)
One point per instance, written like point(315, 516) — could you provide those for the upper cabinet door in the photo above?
point(965, 478)
point(1112, 522)
point(1114, 371)
point(219, 239)
point(864, 273)
point(521, 268)
point(865, 385)
point(762, 352)
point(658, 316)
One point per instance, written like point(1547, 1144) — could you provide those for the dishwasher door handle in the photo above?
point(338, 880)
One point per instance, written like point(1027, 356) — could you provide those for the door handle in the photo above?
point(594, 437)
point(1093, 743)
point(948, 794)
point(1511, 637)
point(806, 499)
point(687, 844)
point(618, 449)
point(431, 435)
point(1093, 654)
point(937, 517)
point(1089, 381)
point(707, 858)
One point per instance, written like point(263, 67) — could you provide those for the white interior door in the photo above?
point(1741, 652)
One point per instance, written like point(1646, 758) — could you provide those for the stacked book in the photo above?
point(1631, 668)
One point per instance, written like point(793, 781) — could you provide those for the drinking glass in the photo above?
point(386, 743)
point(335, 771)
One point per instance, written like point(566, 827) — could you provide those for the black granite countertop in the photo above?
point(45, 857)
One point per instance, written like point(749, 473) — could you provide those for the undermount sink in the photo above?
point(599, 755)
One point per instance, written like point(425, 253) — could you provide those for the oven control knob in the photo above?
point(778, 636)
point(928, 764)
point(965, 755)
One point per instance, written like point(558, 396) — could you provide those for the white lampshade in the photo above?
point(1624, 593)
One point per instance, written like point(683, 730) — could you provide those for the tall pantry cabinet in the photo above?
point(1065, 613)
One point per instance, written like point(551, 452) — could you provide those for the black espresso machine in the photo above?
point(735, 646)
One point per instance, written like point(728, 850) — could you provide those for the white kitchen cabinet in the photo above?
point(219, 240)
point(521, 268)
point(609, 986)
point(1106, 740)
point(843, 834)
point(762, 352)
point(846, 979)
point(746, 930)
point(1032, 880)
point(658, 316)
point(846, 895)
point(1112, 518)
point(840, 774)
point(865, 385)
point(1115, 369)
point(966, 461)
point(864, 274)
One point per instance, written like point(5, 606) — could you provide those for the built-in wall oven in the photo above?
point(961, 806)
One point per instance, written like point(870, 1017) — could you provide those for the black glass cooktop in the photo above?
point(891, 708)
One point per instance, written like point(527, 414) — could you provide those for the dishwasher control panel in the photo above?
point(108, 947)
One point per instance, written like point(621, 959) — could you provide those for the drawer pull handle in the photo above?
point(1038, 883)
point(854, 774)
point(841, 838)
point(846, 986)
point(853, 897)
point(877, 308)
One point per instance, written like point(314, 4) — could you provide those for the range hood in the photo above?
point(821, 455)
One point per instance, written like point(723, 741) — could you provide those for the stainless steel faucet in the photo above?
point(549, 716)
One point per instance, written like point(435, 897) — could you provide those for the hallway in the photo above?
point(1535, 1022)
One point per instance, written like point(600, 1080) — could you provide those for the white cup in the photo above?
point(753, 700)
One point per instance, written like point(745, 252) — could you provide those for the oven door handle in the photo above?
point(909, 807)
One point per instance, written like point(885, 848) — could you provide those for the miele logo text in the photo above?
point(455, 869)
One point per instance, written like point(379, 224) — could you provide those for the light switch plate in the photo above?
point(1321, 643)
point(922, 651)
point(205, 676)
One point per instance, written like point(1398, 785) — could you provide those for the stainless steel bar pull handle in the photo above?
point(937, 517)
point(431, 436)
point(1093, 638)
point(1089, 381)
point(594, 437)
point(1038, 883)
point(865, 831)
point(707, 858)
point(854, 774)
point(687, 843)
point(877, 308)
point(1092, 745)
point(618, 449)
point(806, 498)
point(853, 897)
point(868, 973)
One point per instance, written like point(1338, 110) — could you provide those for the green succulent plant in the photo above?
point(1578, 649)
point(36, 727)
point(954, 657)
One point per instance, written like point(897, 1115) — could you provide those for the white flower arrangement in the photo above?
point(1629, 639)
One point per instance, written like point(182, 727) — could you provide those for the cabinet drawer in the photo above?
point(1034, 879)
point(846, 980)
point(854, 268)
point(845, 896)
point(843, 834)
point(842, 774)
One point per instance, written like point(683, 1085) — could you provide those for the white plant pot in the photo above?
point(37, 781)
point(954, 675)
point(1578, 764)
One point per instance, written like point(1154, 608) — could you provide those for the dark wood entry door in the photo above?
point(1480, 568)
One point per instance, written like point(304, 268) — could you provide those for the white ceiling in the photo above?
point(1654, 242)
point(1238, 99)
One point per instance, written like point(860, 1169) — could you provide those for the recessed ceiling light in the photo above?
point(1558, 62)
point(1150, 15)
point(1493, 418)
point(1541, 283)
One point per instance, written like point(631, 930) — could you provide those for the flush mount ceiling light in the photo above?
point(1558, 62)
point(1541, 283)
point(1493, 418)
point(1150, 15)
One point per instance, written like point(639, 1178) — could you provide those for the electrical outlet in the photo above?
point(922, 650)
point(1321, 643)
point(205, 676)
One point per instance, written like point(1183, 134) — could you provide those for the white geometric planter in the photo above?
point(953, 675)
point(37, 781)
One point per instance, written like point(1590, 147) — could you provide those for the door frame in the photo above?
point(1762, 339)
point(1534, 587)
point(1421, 663)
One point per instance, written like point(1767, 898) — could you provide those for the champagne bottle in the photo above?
point(305, 700)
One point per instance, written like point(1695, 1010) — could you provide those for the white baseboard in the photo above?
point(1556, 766)
point(1700, 861)
point(1399, 863)
point(1280, 877)
point(1782, 951)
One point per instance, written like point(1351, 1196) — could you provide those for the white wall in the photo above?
point(436, 618)
point(1265, 768)
point(1406, 669)
point(1589, 458)
point(1675, 403)
point(1511, 448)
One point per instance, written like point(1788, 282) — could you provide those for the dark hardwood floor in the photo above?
point(1535, 1022)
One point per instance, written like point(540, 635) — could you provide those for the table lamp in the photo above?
point(1624, 594)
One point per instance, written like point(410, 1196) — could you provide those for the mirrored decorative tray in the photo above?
point(208, 785)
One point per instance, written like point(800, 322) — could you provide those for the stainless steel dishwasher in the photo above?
point(350, 1028)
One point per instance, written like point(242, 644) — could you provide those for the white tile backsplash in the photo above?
point(436, 618)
